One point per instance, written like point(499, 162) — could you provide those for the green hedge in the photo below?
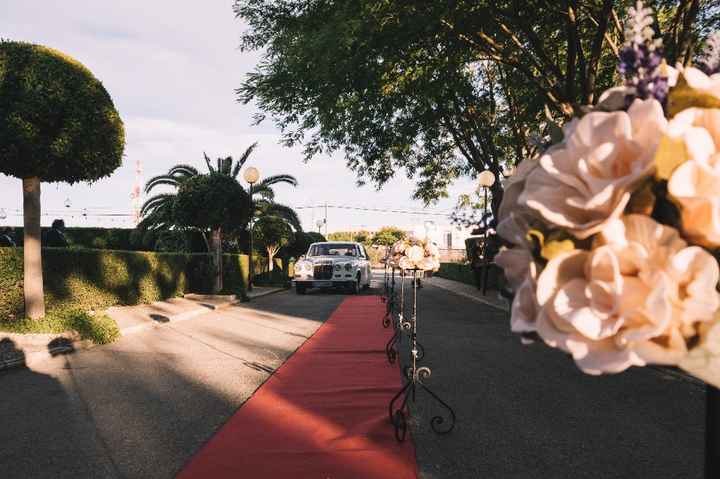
point(458, 272)
point(88, 279)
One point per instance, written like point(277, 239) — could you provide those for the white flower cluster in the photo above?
point(638, 28)
point(414, 253)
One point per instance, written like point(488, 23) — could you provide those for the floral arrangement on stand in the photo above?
point(415, 253)
point(613, 233)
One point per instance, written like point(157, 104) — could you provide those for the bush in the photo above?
point(464, 273)
point(85, 279)
point(457, 272)
point(99, 328)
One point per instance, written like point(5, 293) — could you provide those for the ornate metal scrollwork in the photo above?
point(398, 409)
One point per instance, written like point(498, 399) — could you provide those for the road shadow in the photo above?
point(160, 318)
point(44, 432)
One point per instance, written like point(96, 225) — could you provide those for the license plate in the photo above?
point(323, 284)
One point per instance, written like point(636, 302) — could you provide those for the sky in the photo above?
point(171, 67)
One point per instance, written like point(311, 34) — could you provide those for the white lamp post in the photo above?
point(251, 175)
point(486, 180)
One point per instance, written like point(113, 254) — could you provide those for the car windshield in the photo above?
point(333, 249)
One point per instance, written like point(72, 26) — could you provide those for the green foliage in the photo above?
point(98, 328)
point(96, 279)
point(160, 211)
point(358, 236)
point(87, 279)
point(272, 232)
point(57, 121)
point(439, 89)
point(388, 235)
point(457, 272)
point(301, 243)
point(211, 201)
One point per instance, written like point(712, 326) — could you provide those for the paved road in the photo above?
point(142, 406)
point(527, 412)
point(139, 408)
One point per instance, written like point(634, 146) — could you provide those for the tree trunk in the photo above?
point(271, 258)
point(217, 259)
point(33, 280)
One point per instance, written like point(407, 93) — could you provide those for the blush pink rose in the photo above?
point(586, 181)
point(695, 184)
point(635, 299)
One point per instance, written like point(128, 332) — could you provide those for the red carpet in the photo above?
point(322, 415)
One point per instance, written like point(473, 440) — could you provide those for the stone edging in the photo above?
point(70, 341)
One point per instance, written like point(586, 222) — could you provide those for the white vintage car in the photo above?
point(333, 264)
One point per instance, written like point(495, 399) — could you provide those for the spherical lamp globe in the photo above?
point(486, 179)
point(251, 175)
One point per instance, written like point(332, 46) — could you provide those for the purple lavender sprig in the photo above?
point(641, 59)
point(710, 60)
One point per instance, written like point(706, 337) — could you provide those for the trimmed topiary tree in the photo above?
point(216, 202)
point(57, 124)
point(272, 233)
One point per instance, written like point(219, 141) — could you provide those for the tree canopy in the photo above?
point(388, 235)
point(439, 89)
point(272, 233)
point(57, 121)
point(211, 201)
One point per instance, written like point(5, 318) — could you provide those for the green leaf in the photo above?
point(669, 155)
point(683, 96)
point(551, 249)
point(642, 201)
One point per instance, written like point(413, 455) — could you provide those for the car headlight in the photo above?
point(348, 267)
point(338, 267)
point(308, 266)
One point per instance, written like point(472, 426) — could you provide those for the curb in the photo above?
point(470, 296)
point(185, 315)
point(74, 344)
point(266, 293)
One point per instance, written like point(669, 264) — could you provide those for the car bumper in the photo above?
point(328, 283)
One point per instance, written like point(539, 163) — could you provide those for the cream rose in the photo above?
point(697, 80)
point(586, 181)
point(695, 184)
point(415, 253)
point(633, 300)
point(405, 263)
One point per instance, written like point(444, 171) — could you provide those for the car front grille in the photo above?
point(323, 271)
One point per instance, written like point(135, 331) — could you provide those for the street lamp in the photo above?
point(486, 180)
point(251, 175)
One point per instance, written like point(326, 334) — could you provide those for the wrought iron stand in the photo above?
point(712, 432)
point(391, 346)
point(389, 298)
point(400, 325)
point(416, 377)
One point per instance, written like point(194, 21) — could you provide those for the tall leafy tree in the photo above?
point(272, 233)
point(163, 211)
point(439, 89)
point(388, 235)
point(158, 210)
point(214, 202)
point(57, 124)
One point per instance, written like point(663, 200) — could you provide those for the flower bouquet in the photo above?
point(415, 253)
point(613, 233)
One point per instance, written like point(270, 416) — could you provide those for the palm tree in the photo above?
point(157, 211)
